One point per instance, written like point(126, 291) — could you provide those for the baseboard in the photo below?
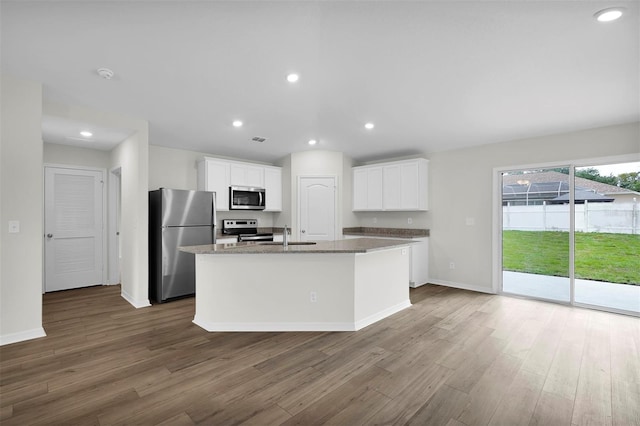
point(135, 303)
point(275, 326)
point(382, 314)
point(21, 336)
point(301, 326)
point(462, 286)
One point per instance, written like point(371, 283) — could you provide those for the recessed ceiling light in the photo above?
point(237, 123)
point(313, 142)
point(292, 78)
point(369, 126)
point(86, 134)
point(610, 14)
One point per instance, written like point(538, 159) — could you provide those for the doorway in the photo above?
point(73, 228)
point(317, 208)
point(571, 234)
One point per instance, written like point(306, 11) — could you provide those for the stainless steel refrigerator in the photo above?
point(177, 218)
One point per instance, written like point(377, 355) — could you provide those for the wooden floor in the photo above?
point(454, 358)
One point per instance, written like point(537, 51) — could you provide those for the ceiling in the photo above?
point(431, 76)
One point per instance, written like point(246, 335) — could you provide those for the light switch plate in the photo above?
point(14, 226)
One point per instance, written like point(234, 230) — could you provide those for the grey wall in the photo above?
point(21, 187)
point(75, 156)
point(461, 186)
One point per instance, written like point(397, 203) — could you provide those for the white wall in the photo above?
point(461, 186)
point(132, 156)
point(76, 156)
point(21, 199)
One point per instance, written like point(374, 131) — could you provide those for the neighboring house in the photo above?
point(553, 187)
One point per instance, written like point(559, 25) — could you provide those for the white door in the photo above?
point(317, 208)
point(73, 228)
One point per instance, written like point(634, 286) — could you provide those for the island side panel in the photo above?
point(381, 284)
point(272, 292)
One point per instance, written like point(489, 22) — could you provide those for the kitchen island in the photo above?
point(340, 285)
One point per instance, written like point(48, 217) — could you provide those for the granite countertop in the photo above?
point(358, 245)
point(386, 232)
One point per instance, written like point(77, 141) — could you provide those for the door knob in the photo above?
point(303, 231)
point(49, 235)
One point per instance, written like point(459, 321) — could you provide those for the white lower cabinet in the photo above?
point(418, 262)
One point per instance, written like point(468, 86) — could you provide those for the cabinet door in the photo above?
point(367, 188)
point(255, 176)
point(410, 186)
point(392, 184)
point(374, 188)
point(238, 175)
point(359, 189)
point(217, 179)
point(273, 188)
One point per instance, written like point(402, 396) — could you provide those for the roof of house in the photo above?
point(581, 196)
point(552, 176)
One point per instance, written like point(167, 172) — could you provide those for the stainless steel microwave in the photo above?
point(246, 198)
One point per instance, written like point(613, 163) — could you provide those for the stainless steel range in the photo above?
point(245, 229)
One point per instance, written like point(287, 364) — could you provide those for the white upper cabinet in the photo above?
point(397, 185)
point(273, 188)
point(217, 174)
point(213, 175)
point(247, 175)
point(367, 188)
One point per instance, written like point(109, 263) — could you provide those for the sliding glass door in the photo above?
point(572, 235)
point(535, 234)
point(607, 236)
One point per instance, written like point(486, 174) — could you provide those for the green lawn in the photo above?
point(612, 258)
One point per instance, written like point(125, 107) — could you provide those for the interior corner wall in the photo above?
point(21, 189)
point(132, 156)
point(461, 186)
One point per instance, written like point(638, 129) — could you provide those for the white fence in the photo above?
point(616, 218)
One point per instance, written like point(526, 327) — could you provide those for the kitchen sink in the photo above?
point(291, 243)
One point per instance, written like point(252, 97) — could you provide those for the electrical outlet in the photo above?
point(471, 221)
point(410, 221)
point(452, 265)
point(313, 297)
point(14, 226)
point(375, 220)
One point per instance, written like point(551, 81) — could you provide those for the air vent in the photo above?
point(258, 139)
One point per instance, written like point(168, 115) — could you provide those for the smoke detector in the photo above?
point(105, 73)
point(258, 139)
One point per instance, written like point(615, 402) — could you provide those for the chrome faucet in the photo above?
point(285, 237)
